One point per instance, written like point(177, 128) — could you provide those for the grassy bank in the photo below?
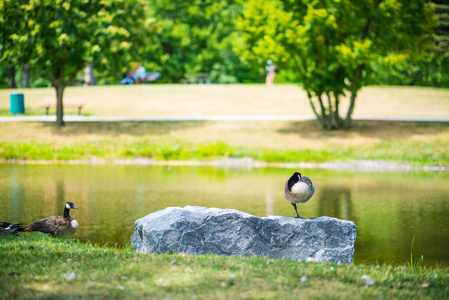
point(36, 266)
point(270, 141)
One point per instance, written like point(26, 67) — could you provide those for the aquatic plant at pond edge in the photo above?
point(411, 264)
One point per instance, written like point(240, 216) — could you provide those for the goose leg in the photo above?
point(298, 216)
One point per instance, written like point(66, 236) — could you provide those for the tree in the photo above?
point(195, 36)
point(26, 76)
point(12, 77)
point(442, 28)
point(332, 44)
point(16, 40)
point(429, 70)
point(440, 61)
point(61, 37)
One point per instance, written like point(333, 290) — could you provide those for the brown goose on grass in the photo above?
point(10, 228)
point(298, 189)
point(56, 225)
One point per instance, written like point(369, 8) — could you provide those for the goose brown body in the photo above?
point(56, 225)
point(298, 189)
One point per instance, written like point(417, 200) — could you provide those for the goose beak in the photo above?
point(74, 207)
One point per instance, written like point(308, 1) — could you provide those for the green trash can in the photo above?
point(17, 104)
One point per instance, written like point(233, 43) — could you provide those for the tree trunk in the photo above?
point(26, 76)
point(92, 79)
point(348, 119)
point(323, 110)
point(59, 104)
point(12, 77)
point(333, 122)
point(320, 119)
point(324, 115)
point(59, 84)
point(337, 111)
point(355, 89)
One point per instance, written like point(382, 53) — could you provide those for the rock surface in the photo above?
point(200, 230)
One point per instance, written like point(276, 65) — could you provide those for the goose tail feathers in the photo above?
point(11, 227)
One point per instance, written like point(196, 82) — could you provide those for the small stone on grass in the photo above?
point(70, 276)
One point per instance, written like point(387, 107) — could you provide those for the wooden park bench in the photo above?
point(67, 102)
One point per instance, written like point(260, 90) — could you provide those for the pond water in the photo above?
point(387, 208)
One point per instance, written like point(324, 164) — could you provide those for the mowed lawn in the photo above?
point(422, 143)
point(245, 99)
point(41, 267)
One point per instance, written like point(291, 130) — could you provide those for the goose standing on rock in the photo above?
point(56, 225)
point(298, 189)
point(10, 228)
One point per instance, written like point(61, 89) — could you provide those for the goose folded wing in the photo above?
point(48, 225)
point(58, 222)
point(307, 180)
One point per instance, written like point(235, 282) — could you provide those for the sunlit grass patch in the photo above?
point(35, 266)
point(278, 142)
point(169, 100)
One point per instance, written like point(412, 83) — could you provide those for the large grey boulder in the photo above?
point(200, 230)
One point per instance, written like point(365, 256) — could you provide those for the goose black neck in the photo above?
point(292, 181)
point(67, 214)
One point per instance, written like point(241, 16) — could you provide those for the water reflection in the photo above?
point(268, 204)
point(388, 208)
point(335, 202)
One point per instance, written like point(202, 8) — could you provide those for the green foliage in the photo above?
point(442, 28)
point(195, 37)
point(36, 267)
point(405, 151)
point(177, 151)
point(299, 156)
point(60, 37)
point(430, 71)
point(44, 151)
point(333, 44)
point(415, 152)
point(323, 45)
point(213, 150)
point(411, 264)
point(4, 76)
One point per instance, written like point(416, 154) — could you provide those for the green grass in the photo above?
point(411, 264)
point(171, 100)
point(220, 150)
point(37, 266)
point(417, 143)
point(272, 142)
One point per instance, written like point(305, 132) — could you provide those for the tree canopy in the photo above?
point(61, 37)
point(333, 44)
point(194, 37)
point(331, 47)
